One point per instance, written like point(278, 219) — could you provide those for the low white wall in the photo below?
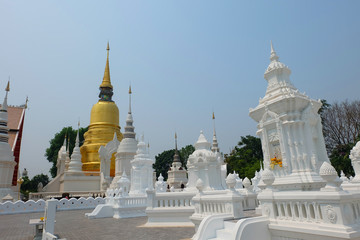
point(39, 206)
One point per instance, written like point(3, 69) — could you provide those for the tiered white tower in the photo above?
point(141, 170)
point(75, 165)
point(127, 148)
point(290, 130)
point(176, 175)
point(203, 164)
point(7, 162)
point(215, 149)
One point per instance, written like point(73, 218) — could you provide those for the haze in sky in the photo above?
point(184, 59)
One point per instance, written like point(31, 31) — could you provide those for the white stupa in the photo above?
point(127, 148)
point(75, 165)
point(7, 162)
point(177, 176)
point(203, 164)
point(290, 130)
point(215, 149)
point(141, 170)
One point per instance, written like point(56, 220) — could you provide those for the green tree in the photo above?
point(245, 157)
point(340, 160)
point(164, 160)
point(184, 153)
point(51, 153)
point(341, 129)
point(32, 185)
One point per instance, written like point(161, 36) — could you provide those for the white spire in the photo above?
point(4, 137)
point(274, 62)
point(7, 89)
point(75, 164)
point(129, 128)
point(176, 155)
point(130, 92)
point(77, 136)
point(273, 56)
point(215, 146)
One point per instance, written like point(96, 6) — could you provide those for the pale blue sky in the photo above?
point(183, 59)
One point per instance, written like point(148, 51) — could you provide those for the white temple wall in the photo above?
point(76, 183)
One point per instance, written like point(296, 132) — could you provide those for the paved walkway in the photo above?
point(73, 225)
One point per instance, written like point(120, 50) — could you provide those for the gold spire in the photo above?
point(8, 86)
point(106, 80)
point(213, 117)
point(130, 92)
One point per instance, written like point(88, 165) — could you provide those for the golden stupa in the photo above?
point(104, 122)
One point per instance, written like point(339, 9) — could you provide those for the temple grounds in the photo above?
point(73, 225)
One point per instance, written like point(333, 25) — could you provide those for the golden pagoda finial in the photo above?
point(8, 86)
point(130, 92)
point(213, 117)
point(106, 79)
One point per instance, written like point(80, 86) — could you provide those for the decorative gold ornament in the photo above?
point(275, 161)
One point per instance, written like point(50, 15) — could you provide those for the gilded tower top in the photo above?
point(106, 89)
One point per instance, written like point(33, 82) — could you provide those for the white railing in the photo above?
point(312, 207)
point(131, 201)
point(50, 195)
point(206, 205)
point(169, 208)
point(173, 199)
point(39, 206)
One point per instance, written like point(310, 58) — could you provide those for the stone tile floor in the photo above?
point(73, 225)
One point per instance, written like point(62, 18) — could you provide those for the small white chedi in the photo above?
point(177, 176)
point(205, 165)
point(141, 170)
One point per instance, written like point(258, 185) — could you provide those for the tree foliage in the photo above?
point(340, 160)
point(341, 123)
point(51, 153)
point(32, 185)
point(341, 129)
point(245, 158)
point(164, 160)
